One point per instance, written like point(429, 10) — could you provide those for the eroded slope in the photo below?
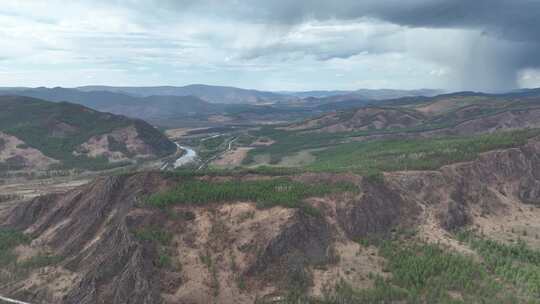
point(112, 247)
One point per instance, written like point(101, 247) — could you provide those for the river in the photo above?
point(188, 157)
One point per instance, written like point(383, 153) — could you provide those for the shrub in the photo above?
point(515, 263)
point(154, 234)
point(10, 239)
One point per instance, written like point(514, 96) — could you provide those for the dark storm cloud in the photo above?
point(458, 44)
point(511, 19)
point(508, 37)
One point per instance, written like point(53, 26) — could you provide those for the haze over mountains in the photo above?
point(196, 104)
point(213, 94)
point(220, 94)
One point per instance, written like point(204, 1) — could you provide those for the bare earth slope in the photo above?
point(236, 253)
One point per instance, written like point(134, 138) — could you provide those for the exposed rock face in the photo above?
point(305, 241)
point(87, 227)
point(236, 253)
point(481, 185)
point(376, 212)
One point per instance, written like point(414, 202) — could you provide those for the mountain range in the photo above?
point(232, 95)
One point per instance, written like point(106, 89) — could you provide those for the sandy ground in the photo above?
point(219, 119)
point(519, 222)
point(301, 158)
point(356, 263)
point(431, 232)
point(437, 107)
point(263, 142)
point(232, 158)
point(175, 134)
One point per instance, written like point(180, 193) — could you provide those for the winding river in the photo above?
point(188, 157)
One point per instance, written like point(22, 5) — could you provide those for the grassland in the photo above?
point(154, 234)
point(239, 171)
point(9, 239)
point(266, 193)
point(335, 154)
point(288, 143)
point(517, 264)
point(413, 154)
point(448, 112)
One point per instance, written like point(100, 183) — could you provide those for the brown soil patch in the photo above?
point(356, 263)
point(98, 146)
point(431, 232)
point(57, 281)
point(438, 106)
point(33, 188)
point(219, 118)
point(232, 158)
point(30, 157)
point(216, 249)
point(519, 221)
point(263, 142)
point(175, 134)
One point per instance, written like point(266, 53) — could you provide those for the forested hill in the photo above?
point(37, 134)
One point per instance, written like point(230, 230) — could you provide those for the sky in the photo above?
point(481, 45)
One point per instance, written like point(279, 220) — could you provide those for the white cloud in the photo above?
point(140, 42)
point(529, 78)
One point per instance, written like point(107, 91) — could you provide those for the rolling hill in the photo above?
point(119, 102)
point(414, 128)
point(208, 93)
point(457, 113)
point(37, 134)
point(163, 110)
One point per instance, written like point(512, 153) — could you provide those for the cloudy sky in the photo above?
point(488, 45)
